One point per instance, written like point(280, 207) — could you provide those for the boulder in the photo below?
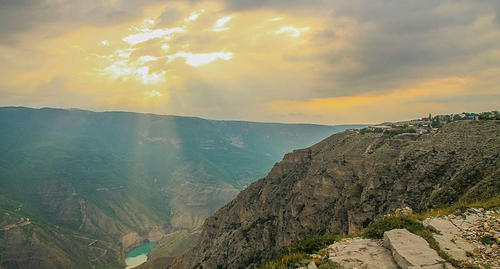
point(361, 253)
point(312, 265)
point(405, 211)
point(410, 250)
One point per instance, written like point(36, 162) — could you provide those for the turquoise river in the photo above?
point(138, 255)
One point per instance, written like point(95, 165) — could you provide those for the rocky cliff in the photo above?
point(344, 183)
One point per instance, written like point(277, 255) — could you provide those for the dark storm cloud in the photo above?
point(18, 16)
point(498, 13)
point(396, 42)
point(21, 15)
point(254, 4)
point(169, 16)
point(391, 42)
point(466, 98)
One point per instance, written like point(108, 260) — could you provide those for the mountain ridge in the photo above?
point(189, 117)
point(344, 183)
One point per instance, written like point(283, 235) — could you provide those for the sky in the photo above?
point(314, 61)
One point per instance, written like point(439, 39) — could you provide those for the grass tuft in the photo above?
point(377, 229)
point(296, 256)
point(292, 260)
point(315, 243)
point(487, 240)
point(329, 265)
point(461, 206)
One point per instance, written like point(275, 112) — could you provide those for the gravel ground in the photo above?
point(481, 228)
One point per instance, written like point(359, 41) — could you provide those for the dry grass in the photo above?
point(460, 206)
point(292, 260)
point(296, 256)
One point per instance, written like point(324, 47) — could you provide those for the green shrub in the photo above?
point(461, 207)
point(315, 243)
point(377, 229)
point(295, 256)
point(487, 240)
point(399, 131)
point(292, 260)
point(329, 265)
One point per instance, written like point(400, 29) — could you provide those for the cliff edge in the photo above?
point(344, 183)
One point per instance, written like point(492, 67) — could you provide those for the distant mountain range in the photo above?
point(78, 189)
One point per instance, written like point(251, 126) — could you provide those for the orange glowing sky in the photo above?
point(316, 61)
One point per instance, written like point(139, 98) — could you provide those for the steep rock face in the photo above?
point(344, 183)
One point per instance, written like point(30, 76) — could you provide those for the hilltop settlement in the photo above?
point(427, 124)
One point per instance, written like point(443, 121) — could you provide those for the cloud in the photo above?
point(194, 16)
point(139, 70)
point(169, 16)
point(392, 43)
point(31, 12)
point(220, 25)
point(497, 18)
point(20, 16)
point(439, 96)
point(251, 59)
point(147, 58)
point(197, 59)
point(292, 31)
point(152, 94)
point(239, 5)
point(148, 34)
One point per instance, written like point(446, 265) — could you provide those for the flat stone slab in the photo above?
point(450, 239)
point(362, 254)
point(450, 248)
point(463, 223)
point(410, 250)
point(442, 226)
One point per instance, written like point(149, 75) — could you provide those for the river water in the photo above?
point(138, 255)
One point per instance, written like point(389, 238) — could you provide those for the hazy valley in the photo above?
point(80, 189)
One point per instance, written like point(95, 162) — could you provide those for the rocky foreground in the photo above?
point(473, 237)
point(469, 240)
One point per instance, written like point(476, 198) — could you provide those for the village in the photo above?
point(429, 124)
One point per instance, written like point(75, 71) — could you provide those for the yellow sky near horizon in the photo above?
point(202, 59)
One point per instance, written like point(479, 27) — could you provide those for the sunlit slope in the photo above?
point(122, 178)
